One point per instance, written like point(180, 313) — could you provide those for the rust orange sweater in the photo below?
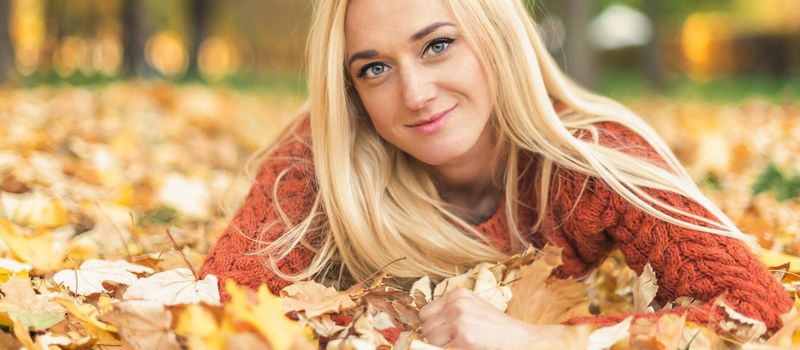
point(686, 262)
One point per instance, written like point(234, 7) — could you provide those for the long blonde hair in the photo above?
point(378, 202)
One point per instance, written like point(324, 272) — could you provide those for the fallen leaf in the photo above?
point(37, 249)
point(540, 299)
point(422, 285)
point(92, 273)
point(188, 196)
point(266, 315)
point(665, 332)
point(173, 287)
point(315, 299)
point(740, 326)
point(201, 329)
point(22, 303)
point(789, 335)
point(645, 288)
point(34, 210)
point(85, 313)
point(143, 324)
point(487, 287)
point(604, 338)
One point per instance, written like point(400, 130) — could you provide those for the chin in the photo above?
point(435, 157)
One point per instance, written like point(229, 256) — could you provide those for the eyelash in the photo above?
point(363, 71)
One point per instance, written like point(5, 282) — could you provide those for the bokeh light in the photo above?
point(166, 52)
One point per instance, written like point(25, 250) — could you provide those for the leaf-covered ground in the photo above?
point(111, 197)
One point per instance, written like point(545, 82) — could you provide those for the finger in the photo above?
point(434, 323)
point(432, 308)
point(440, 335)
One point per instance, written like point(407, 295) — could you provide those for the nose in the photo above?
point(418, 88)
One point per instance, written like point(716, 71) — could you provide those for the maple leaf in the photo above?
point(38, 249)
point(201, 329)
point(645, 288)
point(93, 272)
point(315, 299)
point(540, 299)
point(143, 324)
point(22, 303)
point(172, 287)
point(266, 316)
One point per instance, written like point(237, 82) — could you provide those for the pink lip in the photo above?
point(433, 123)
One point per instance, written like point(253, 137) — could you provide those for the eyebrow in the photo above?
point(417, 36)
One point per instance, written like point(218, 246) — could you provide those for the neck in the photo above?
point(473, 177)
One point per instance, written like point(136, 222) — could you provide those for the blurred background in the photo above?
point(718, 49)
point(121, 111)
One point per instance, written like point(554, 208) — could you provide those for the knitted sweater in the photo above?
point(686, 262)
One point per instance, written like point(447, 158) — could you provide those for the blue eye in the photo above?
point(438, 46)
point(372, 70)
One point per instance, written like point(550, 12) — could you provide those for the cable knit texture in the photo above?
point(587, 224)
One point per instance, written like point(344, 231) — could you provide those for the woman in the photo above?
point(431, 133)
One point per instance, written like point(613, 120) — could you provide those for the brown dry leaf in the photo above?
point(143, 325)
point(315, 299)
point(645, 288)
point(740, 326)
point(21, 302)
point(539, 299)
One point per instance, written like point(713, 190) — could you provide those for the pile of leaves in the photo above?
point(111, 198)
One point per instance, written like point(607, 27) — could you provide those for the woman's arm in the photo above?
point(234, 255)
point(686, 262)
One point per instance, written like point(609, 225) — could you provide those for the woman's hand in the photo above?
point(461, 319)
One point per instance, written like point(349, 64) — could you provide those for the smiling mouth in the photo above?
point(432, 118)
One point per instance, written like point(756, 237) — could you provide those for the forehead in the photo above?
point(370, 23)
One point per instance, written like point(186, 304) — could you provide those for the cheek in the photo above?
point(382, 112)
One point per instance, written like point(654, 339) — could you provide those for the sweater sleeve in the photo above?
point(686, 262)
point(236, 253)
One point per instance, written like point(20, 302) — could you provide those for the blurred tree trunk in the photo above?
point(653, 51)
point(578, 51)
point(6, 54)
point(199, 19)
point(134, 37)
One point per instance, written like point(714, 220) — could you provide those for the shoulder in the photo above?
point(620, 137)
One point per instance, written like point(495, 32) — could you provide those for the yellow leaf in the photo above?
point(539, 299)
point(37, 249)
point(5, 274)
point(20, 330)
point(86, 313)
point(266, 316)
point(36, 210)
point(315, 299)
point(770, 258)
point(201, 329)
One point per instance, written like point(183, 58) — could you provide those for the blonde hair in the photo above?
point(378, 202)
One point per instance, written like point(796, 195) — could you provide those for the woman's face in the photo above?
point(410, 65)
